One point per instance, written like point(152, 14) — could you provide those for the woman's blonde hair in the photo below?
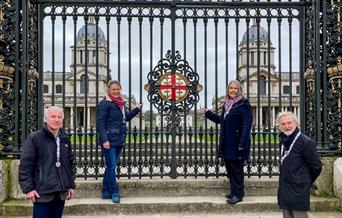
point(238, 84)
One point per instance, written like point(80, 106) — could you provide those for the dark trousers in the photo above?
point(52, 209)
point(236, 177)
point(111, 155)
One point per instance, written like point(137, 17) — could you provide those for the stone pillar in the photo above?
point(9, 186)
point(337, 186)
point(325, 181)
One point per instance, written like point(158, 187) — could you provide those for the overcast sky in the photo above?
point(211, 50)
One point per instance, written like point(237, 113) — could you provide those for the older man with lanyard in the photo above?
point(46, 170)
point(300, 166)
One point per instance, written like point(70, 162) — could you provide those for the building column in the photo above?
point(261, 117)
point(88, 119)
point(273, 117)
point(72, 113)
point(256, 117)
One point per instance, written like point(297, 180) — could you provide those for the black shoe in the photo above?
point(229, 195)
point(234, 200)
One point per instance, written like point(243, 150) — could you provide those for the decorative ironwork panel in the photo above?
point(7, 64)
point(18, 73)
point(173, 83)
point(7, 128)
point(7, 32)
point(323, 91)
point(310, 110)
point(32, 74)
point(335, 107)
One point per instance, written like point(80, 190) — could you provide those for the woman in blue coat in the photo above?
point(236, 122)
point(111, 120)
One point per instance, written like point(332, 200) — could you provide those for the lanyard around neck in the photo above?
point(58, 152)
point(284, 153)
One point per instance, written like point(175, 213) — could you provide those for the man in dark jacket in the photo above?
point(300, 167)
point(46, 170)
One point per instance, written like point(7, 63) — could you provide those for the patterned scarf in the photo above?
point(229, 103)
point(117, 100)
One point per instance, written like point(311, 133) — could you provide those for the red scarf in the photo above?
point(117, 100)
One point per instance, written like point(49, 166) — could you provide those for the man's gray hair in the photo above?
point(53, 108)
point(287, 114)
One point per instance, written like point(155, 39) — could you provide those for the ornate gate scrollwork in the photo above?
point(335, 105)
point(170, 84)
point(6, 108)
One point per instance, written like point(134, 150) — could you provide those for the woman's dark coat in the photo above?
point(110, 124)
point(37, 169)
point(235, 130)
point(298, 172)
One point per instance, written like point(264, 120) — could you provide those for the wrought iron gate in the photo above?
point(83, 44)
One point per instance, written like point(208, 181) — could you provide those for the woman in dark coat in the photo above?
point(236, 122)
point(111, 120)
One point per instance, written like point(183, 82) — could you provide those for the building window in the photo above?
point(252, 57)
point(46, 89)
point(84, 84)
point(265, 57)
point(81, 57)
point(297, 90)
point(58, 88)
point(286, 89)
point(262, 85)
point(94, 56)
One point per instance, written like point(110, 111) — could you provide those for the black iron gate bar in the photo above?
point(170, 10)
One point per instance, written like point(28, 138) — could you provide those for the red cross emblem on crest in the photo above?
point(173, 86)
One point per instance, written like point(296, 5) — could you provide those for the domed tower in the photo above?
point(253, 57)
point(91, 62)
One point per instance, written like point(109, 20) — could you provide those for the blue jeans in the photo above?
point(112, 156)
point(52, 209)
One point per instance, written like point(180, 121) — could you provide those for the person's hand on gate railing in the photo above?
point(204, 110)
point(139, 105)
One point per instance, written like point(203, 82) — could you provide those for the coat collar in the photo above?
point(108, 98)
point(49, 133)
point(237, 104)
